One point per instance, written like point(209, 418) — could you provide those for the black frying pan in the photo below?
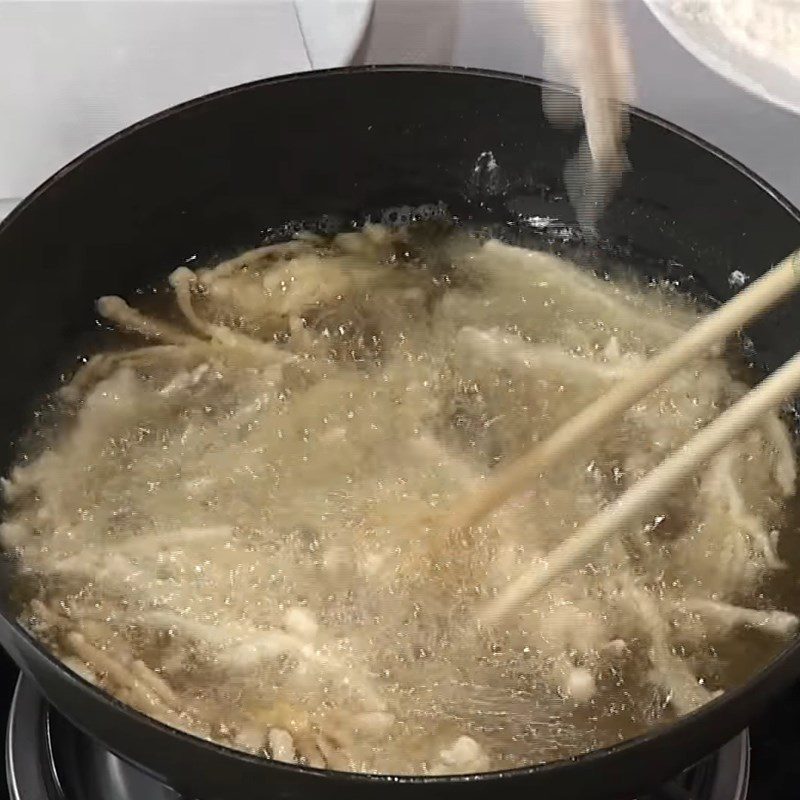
point(214, 175)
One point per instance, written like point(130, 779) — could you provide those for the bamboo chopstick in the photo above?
point(739, 418)
point(473, 506)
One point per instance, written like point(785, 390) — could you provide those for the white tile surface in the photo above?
point(76, 71)
point(6, 206)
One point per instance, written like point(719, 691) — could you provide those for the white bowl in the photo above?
point(710, 46)
point(332, 29)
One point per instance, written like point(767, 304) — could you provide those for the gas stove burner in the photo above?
point(47, 758)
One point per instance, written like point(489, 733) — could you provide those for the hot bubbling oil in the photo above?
point(233, 526)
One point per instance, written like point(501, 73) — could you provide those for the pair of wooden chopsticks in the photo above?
point(740, 417)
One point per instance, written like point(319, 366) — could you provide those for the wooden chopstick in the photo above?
point(738, 419)
point(473, 506)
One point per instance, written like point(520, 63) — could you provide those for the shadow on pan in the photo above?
point(220, 174)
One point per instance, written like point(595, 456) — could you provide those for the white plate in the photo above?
point(709, 46)
point(332, 29)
